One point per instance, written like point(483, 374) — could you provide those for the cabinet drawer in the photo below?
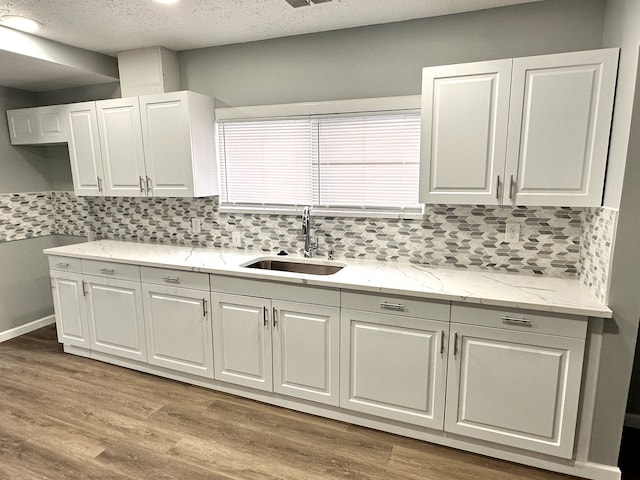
point(395, 304)
point(112, 270)
point(522, 320)
point(65, 264)
point(177, 278)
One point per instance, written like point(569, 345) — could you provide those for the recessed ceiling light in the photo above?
point(20, 23)
point(166, 1)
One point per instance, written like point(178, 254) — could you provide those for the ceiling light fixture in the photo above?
point(304, 3)
point(20, 23)
point(167, 2)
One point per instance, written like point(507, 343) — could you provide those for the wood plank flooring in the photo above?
point(66, 417)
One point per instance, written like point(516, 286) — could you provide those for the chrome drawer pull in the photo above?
point(110, 271)
point(398, 307)
point(518, 321)
point(62, 265)
point(170, 279)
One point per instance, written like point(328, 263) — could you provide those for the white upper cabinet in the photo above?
point(527, 131)
point(559, 123)
point(40, 125)
point(121, 146)
point(465, 110)
point(84, 149)
point(179, 147)
point(155, 145)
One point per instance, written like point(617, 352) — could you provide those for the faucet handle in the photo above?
point(330, 254)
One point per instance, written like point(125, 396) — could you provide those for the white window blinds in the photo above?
point(347, 162)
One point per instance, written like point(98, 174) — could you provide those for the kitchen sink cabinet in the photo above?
point(512, 386)
point(393, 364)
point(523, 131)
point(277, 345)
point(38, 125)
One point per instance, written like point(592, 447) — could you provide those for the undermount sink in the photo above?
point(295, 266)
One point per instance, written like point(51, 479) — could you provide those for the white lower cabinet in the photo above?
point(116, 324)
point(394, 364)
point(68, 303)
point(277, 345)
point(178, 329)
point(514, 387)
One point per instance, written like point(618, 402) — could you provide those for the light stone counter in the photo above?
point(545, 294)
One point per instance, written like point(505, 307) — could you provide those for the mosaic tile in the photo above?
point(598, 235)
point(450, 235)
point(26, 215)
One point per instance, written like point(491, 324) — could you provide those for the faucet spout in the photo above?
point(306, 231)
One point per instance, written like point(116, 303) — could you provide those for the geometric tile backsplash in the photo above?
point(553, 240)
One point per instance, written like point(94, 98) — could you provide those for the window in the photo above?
point(341, 163)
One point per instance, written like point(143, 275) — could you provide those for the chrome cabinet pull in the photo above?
point(204, 308)
point(274, 313)
point(398, 307)
point(84, 291)
point(99, 184)
point(498, 189)
point(62, 265)
point(265, 319)
point(171, 279)
point(109, 271)
point(455, 344)
point(442, 338)
point(149, 186)
point(511, 187)
point(518, 321)
point(141, 184)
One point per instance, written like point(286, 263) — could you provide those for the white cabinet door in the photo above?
point(514, 388)
point(178, 329)
point(242, 340)
point(178, 130)
point(559, 123)
point(393, 367)
point(306, 357)
point(84, 149)
point(465, 112)
point(167, 144)
point(22, 126)
point(69, 306)
point(121, 146)
point(38, 125)
point(116, 323)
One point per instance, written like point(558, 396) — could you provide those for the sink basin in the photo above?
point(295, 266)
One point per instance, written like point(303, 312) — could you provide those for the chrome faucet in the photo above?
point(306, 231)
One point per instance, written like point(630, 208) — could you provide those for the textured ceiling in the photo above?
point(110, 26)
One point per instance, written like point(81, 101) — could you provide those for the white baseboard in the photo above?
point(26, 328)
point(632, 420)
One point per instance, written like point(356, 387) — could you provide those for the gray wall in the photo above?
point(385, 60)
point(25, 293)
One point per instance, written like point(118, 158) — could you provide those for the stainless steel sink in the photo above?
point(296, 266)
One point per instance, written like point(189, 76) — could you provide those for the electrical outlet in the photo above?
point(91, 235)
point(195, 226)
point(236, 238)
point(512, 232)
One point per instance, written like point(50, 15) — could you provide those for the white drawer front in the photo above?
point(121, 271)
point(398, 305)
point(65, 264)
point(521, 320)
point(175, 278)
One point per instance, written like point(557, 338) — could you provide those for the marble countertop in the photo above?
point(544, 294)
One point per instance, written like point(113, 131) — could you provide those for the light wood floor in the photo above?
point(65, 417)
